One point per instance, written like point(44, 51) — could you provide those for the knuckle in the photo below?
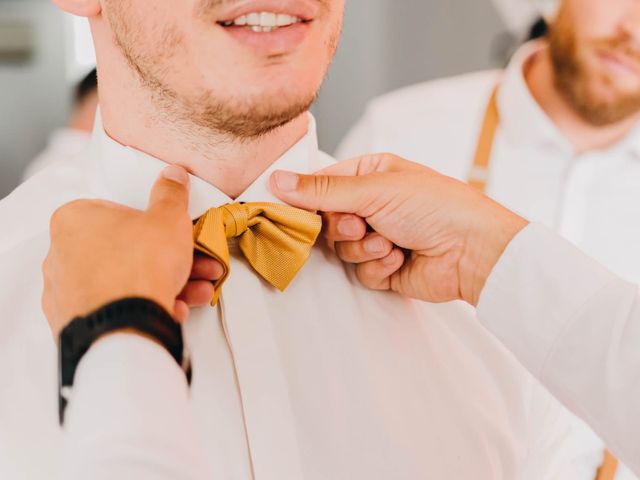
point(396, 282)
point(322, 185)
point(62, 214)
point(350, 252)
point(341, 251)
point(366, 275)
point(367, 164)
point(57, 217)
point(384, 160)
point(363, 276)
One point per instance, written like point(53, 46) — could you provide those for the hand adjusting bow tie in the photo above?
point(275, 239)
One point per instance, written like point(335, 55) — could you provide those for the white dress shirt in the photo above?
point(63, 143)
point(588, 198)
point(576, 326)
point(325, 381)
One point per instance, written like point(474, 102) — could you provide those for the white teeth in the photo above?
point(253, 19)
point(283, 20)
point(268, 19)
point(259, 29)
point(263, 21)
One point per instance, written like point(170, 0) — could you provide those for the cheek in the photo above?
point(597, 19)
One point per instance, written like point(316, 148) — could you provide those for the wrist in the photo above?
point(484, 246)
point(128, 314)
point(89, 302)
point(126, 331)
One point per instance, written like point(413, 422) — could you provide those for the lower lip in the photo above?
point(277, 42)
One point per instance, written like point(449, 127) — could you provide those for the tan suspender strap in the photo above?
point(609, 467)
point(479, 174)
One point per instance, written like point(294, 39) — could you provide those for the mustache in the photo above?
point(622, 45)
point(213, 4)
point(207, 8)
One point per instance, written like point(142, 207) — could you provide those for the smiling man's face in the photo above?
point(595, 47)
point(239, 67)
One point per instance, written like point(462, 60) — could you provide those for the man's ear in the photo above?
point(81, 8)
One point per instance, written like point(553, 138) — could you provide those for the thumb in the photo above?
point(170, 193)
point(326, 193)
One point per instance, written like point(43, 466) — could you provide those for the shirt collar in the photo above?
point(525, 122)
point(522, 119)
point(125, 175)
point(631, 142)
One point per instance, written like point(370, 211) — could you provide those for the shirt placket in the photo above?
point(263, 388)
point(574, 203)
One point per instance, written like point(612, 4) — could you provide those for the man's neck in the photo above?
point(229, 165)
point(539, 75)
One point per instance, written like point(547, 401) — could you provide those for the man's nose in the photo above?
point(630, 23)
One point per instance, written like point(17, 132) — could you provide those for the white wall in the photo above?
point(33, 96)
point(388, 44)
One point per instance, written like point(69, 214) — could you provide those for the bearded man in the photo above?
point(555, 136)
point(326, 380)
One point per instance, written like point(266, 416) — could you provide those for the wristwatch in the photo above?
point(140, 314)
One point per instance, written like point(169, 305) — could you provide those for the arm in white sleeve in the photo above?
point(129, 415)
point(576, 327)
point(555, 447)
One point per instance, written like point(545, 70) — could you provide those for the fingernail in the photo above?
point(176, 174)
point(348, 226)
point(374, 245)
point(285, 181)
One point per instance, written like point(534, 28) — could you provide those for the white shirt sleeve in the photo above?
point(130, 416)
point(555, 450)
point(576, 327)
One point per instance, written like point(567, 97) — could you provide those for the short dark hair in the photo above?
point(87, 86)
point(539, 29)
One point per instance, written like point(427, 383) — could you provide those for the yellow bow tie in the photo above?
point(275, 239)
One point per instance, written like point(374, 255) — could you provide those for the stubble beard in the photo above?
point(573, 79)
point(206, 114)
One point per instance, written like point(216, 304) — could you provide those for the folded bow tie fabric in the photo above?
point(275, 239)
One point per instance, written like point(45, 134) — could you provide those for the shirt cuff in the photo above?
point(129, 415)
point(534, 291)
point(125, 376)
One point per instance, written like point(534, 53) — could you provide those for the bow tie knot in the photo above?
point(236, 219)
point(275, 239)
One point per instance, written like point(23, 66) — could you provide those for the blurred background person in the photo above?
point(184, 111)
point(72, 139)
point(555, 136)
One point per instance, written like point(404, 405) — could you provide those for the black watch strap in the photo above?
point(139, 314)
